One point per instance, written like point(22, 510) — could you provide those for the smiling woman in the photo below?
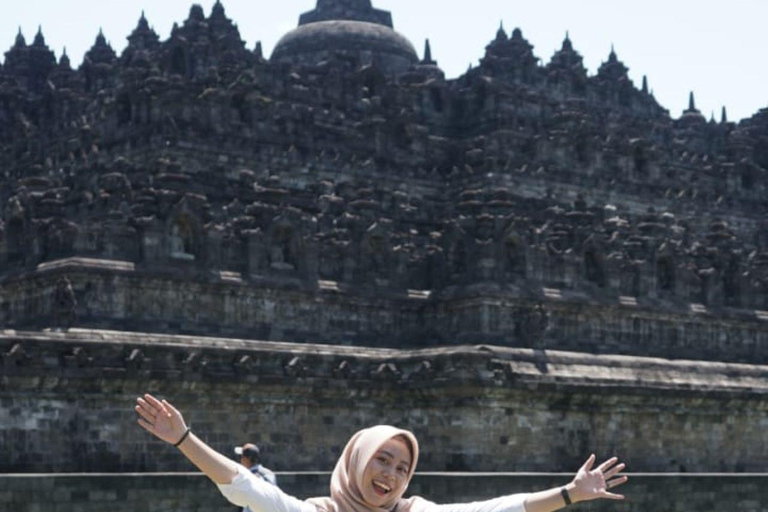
point(371, 475)
point(387, 472)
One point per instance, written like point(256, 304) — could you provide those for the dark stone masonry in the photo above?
point(67, 402)
point(162, 492)
point(523, 264)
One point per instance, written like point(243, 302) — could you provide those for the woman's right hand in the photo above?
point(160, 418)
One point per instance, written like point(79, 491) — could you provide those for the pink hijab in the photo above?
point(347, 477)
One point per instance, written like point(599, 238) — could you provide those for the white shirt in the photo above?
point(248, 490)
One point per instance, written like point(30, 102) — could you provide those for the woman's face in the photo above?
point(386, 474)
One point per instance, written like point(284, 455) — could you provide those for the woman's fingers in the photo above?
point(146, 426)
point(156, 407)
point(157, 404)
point(145, 409)
point(616, 481)
point(607, 464)
point(146, 406)
point(611, 496)
point(588, 464)
point(614, 470)
point(144, 413)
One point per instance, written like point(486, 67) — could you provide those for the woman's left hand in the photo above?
point(160, 418)
point(591, 484)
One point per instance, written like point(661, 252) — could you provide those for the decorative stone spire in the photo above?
point(691, 105)
point(568, 59)
point(692, 114)
point(723, 116)
point(613, 68)
point(64, 60)
point(258, 52)
point(351, 10)
point(217, 13)
point(513, 57)
point(20, 41)
point(427, 54)
point(612, 56)
point(39, 39)
point(143, 37)
point(62, 75)
point(645, 84)
point(30, 64)
point(141, 42)
point(101, 52)
point(501, 35)
point(196, 13)
point(221, 26)
point(425, 70)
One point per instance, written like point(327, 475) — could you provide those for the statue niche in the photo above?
point(665, 274)
point(282, 250)
point(64, 303)
point(15, 240)
point(377, 253)
point(594, 267)
point(514, 256)
point(124, 110)
point(179, 62)
point(532, 325)
point(58, 239)
point(182, 239)
point(458, 260)
point(731, 285)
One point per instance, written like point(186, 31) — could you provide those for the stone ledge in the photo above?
point(82, 353)
point(124, 266)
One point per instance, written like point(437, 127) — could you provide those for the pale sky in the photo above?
point(715, 48)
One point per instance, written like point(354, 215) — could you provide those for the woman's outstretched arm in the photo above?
point(588, 484)
point(163, 420)
point(235, 482)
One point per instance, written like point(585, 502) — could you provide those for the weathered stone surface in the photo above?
point(162, 492)
point(515, 184)
point(67, 403)
point(541, 262)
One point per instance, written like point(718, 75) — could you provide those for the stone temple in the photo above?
point(527, 252)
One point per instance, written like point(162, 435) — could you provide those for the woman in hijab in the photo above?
point(371, 475)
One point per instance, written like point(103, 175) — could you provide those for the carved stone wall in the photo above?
point(67, 404)
point(195, 493)
point(120, 295)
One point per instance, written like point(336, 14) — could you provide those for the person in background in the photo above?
point(250, 458)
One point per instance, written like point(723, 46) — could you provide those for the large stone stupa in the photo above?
point(353, 28)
